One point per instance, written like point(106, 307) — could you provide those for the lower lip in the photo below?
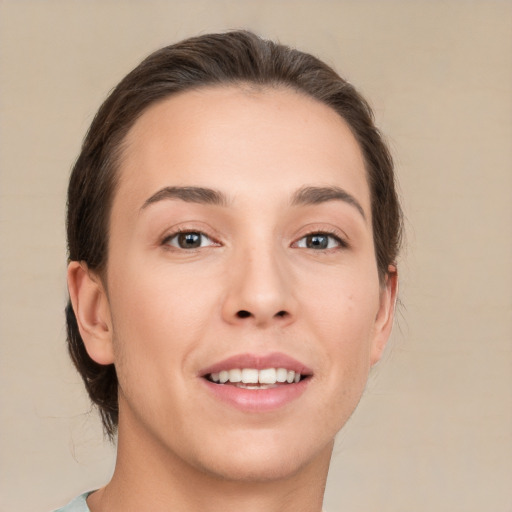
point(257, 400)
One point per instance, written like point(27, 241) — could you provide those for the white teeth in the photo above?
point(262, 378)
point(267, 376)
point(249, 376)
point(235, 375)
point(281, 374)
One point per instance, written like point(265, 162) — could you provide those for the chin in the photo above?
point(264, 461)
point(260, 471)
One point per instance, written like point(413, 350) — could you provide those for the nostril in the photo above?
point(243, 313)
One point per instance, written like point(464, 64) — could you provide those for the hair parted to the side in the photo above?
point(238, 57)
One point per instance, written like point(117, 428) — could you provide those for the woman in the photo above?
point(233, 228)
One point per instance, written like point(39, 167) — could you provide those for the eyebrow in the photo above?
point(200, 195)
point(303, 197)
point(316, 195)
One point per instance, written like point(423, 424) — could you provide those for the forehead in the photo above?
point(249, 142)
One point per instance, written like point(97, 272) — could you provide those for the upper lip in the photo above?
point(258, 362)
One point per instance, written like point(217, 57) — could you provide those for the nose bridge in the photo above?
point(260, 285)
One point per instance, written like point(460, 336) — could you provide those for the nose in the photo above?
point(259, 289)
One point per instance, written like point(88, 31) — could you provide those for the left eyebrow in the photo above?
point(316, 195)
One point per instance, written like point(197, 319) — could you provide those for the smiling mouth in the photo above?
point(252, 378)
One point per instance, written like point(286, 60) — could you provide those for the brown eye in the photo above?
point(189, 240)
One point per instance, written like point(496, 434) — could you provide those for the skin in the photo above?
point(163, 313)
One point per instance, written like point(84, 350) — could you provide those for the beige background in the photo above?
point(434, 430)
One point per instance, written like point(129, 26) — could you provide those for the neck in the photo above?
point(148, 476)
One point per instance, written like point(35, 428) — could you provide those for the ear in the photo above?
point(385, 314)
point(92, 312)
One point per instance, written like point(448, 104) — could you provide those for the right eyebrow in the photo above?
point(202, 195)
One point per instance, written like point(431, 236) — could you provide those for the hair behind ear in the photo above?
point(100, 380)
point(87, 312)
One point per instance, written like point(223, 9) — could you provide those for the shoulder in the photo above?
point(77, 505)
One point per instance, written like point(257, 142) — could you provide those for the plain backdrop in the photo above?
point(434, 429)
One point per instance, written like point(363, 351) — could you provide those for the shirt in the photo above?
point(77, 505)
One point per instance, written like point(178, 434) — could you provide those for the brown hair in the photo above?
point(216, 59)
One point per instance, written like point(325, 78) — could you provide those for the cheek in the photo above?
point(152, 309)
point(152, 317)
point(344, 303)
point(157, 323)
point(342, 310)
point(161, 314)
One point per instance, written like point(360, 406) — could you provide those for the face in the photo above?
point(241, 248)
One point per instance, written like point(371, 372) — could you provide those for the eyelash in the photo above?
point(340, 243)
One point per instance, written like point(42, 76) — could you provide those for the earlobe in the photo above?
point(92, 311)
point(385, 315)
